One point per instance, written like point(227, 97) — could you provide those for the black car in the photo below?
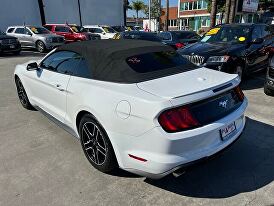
point(232, 48)
point(179, 39)
point(269, 83)
point(9, 44)
point(138, 35)
point(119, 28)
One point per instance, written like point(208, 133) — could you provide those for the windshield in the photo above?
point(77, 29)
point(39, 30)
point(228, 34)
point(142, 36)
point(108, 29)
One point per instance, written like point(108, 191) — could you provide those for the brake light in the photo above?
point(179, 45)
point(239, 93)
point(178, 119)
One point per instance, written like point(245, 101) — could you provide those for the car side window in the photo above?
point(165, 36)
point(97, 30)
point(82, 69)
point(265, 31)
point(48, 27)
point(20, 31)
point(256, 33)
point(10, 30)
point(61, 62)
point(62, 29)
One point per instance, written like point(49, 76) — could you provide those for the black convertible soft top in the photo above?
point(107, 59)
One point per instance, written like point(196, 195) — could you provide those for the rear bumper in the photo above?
point(166, 153)
point(7, 48)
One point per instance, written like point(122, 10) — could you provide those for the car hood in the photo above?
point(210, 49)
point(7, 37)
point(186, 83)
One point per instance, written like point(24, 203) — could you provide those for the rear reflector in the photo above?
point(179, 45)
point(137, 158)
point(177, 119)
point(239, 93)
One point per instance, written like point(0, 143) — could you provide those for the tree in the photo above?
point(155, 10)
point(167, 15)
point(126, 7)
point(232, 11)
point(227, 10)
point(213, 13)
point(137, 6)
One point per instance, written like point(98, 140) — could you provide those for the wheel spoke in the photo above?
point(99, 149)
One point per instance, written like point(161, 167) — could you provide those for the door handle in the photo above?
point(59, 87)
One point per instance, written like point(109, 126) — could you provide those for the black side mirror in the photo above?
point(32, 66)
point(258, 41)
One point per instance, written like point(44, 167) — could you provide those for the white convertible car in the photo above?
point(136, 105)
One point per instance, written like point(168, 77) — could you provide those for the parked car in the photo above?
point(35, 37)
point(138, 35)
point(179, 39)
point(9, 44)
point(232, 48)
point(269, 83)
point(120, 28)
point(151, 96)
point(105, 32)
point(71, 32)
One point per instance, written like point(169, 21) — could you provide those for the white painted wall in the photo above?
point(16, 12)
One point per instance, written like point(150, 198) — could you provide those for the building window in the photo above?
point(205, 21)
point(194, 5)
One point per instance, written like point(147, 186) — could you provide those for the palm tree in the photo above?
point(137, 6)
point(167, 15)
point(232, 11)
point(227, 10)
point(213, 13)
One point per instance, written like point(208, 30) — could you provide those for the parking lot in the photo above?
point(41, 164)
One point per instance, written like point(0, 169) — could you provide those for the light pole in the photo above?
point(80, 14)
point(149, 15)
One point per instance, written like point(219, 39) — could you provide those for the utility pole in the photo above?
point(160, 14)
point(42, 12)
point(80, 13)
point(167, 15)
point(149, 15)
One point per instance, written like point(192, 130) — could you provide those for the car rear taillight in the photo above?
point(239, 93)
point(179, 45)
point(178, 119)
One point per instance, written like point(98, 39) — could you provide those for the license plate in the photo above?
point(12, 46)
point(226, 131)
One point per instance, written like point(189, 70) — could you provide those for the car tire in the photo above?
point(22, 95)
point(17, 52)
point(40, 46)
point(267, 91)
point(96, 145)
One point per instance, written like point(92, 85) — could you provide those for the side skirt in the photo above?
point(58, 123)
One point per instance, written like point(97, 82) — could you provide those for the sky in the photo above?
point(171, 3)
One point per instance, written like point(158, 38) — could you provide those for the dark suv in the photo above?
point(232, 48)
point(269, 82)
point(9, 44)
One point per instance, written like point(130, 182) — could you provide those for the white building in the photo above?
point(18, 12)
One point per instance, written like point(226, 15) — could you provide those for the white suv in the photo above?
point(106, 32)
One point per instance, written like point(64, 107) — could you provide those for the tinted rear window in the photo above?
point(156, 61)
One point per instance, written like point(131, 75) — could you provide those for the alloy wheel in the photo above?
point(94, 143)
point(40, 46)
point(21, 93)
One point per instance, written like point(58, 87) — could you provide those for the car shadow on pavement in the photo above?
point(24, 53)
point(254, 81)
point(245, 167)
